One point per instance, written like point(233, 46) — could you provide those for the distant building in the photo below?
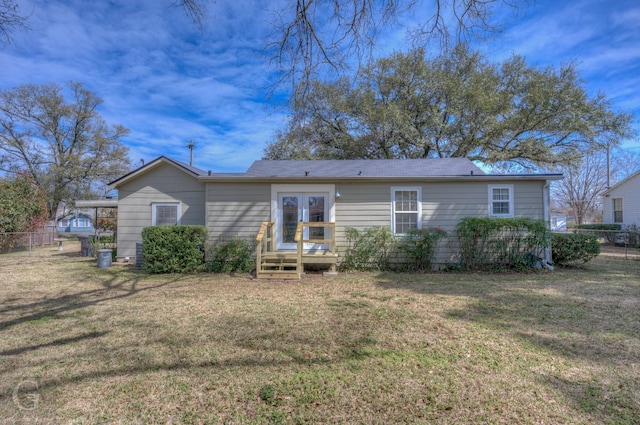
point(622, 202)
point(76, 223)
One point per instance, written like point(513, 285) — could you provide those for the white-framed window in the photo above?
point(406, 209)
point(501, 200)
point(165, 213)
point(81, 222)
point(617, 210)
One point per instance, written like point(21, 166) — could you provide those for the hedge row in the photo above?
point(483, 243)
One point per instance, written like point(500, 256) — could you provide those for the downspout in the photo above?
point(547, 216)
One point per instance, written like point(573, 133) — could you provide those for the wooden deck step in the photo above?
point(278, 274)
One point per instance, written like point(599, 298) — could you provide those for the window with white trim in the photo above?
point(501, 200)
point(165, 213)
point(406, 209)
point(617, 210)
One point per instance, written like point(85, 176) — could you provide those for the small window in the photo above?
point(617, 210)
point(165, 213)
point(406, 209)
point(501, 200)
point(80, 222)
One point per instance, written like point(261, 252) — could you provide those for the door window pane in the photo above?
point(316, 214)
point(289, 218)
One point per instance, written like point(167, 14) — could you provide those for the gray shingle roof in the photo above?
point(195, 170)
point(429, 167)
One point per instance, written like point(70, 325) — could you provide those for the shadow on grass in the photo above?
point(57, 342)
point(589, 314)
point(581, 313)
point(111, 285)
point(253, 345)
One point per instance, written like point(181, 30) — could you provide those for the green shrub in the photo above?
point(568, 248)
point(419, 248)
point(599, 226)
point(368, 249)
point(489, 243)
point(232, 256)
point(604, 231)
point(173, 249)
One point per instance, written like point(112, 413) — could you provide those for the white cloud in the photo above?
point(169, 82)
point(157, 73)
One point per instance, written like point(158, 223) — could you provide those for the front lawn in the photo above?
point(85, 345)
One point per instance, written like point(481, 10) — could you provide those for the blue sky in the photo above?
point(169, 82)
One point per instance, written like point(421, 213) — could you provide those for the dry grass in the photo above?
point(87, 345)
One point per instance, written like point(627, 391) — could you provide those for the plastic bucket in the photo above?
point(104, 258)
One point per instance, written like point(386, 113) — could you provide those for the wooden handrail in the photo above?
point(263, 230)
point(303, 224)
point(266, 244)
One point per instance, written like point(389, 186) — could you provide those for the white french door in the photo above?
point(295, 207)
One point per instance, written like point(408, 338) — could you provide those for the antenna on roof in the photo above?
point(191, 145)
point(141, 162)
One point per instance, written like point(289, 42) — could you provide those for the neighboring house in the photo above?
point(76, 223)
point(622, 202)
point(401, 194)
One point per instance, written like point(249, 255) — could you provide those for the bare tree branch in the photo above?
point(196, 10)
point(10, 20)
point(311, 37)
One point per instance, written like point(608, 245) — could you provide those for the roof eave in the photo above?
point(147, 167)
point(97, 203)
point(351, 179)
point(621, 182)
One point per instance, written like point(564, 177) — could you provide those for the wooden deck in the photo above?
point(289, 264)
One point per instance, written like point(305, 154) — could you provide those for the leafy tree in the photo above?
point(65, 147)
point(456, 104)
point(23, 208)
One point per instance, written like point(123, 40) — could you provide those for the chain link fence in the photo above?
point(621, 243)
point(13, 241)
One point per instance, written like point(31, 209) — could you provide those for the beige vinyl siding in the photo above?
point(237, 209)
point(444, 204)
point(164, 183)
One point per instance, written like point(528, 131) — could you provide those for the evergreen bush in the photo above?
point(572, 248)
point(235, 255)
point(490, 243)
point(419, 249)
point(604, 231)
point(368, 249)
point(173, 249)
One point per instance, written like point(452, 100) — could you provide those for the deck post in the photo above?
point(299, 239)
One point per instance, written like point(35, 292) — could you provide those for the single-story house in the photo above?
point(76, 223)
point(622, 202)
point(399, 193)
